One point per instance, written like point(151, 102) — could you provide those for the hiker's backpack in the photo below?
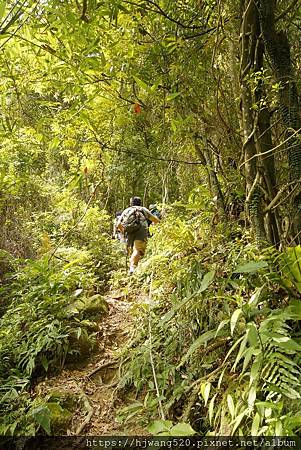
point(134, 220)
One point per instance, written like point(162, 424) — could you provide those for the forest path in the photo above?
point(94, 381)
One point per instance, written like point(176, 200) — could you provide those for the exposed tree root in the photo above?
point(102, 366)
point(90, 411)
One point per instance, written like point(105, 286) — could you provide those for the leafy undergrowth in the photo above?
point(218, 340)
point(50, 311)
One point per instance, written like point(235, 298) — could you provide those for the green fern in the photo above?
point(281, 373)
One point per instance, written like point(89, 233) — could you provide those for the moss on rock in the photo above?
point(59, 417)
point(91, 307)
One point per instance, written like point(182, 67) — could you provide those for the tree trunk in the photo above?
point(264, 146)
point(278, 51)
point(214, 185)
point(248, 40)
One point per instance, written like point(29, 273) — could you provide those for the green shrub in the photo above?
point(219, 328)
point(51, 305)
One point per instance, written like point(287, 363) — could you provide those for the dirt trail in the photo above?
point(95, 380)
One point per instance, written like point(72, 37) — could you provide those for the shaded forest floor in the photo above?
point(95, 380)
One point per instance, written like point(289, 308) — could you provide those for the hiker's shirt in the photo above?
point(142, 233)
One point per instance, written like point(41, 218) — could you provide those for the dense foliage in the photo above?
point(192, 104)
point(220, 324)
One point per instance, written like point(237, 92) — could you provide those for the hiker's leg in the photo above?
point(138, 252)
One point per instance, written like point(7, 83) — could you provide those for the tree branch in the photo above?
point(160, 11)
point(84, 11)
point(130, 152)
point(287, 10)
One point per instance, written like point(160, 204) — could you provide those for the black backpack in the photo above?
point(134, 220)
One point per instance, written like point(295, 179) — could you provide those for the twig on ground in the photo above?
point(97, 369)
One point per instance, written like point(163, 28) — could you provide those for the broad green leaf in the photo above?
point(201, 340)
point(221, 378)
point(156, 400)
point(158, 426)
point(211, 408)
point(44, 362)
point(2, 9)
point(256, 369)
point(236, 344)
point(172, 96)
point(231, 405)
point(155, 86)
point(10, 395)
point(170, 314)
point(206, 281)
point(182, 429)
point(255, 425)
point(240, 352)
point(221, 325)
point(238, 419)
point(250, 267)
point(278, 428)
point(133, 406)
point(205, 391)
point(295, 421)
point(234, 319)
point(252, 334)
point(142, 84)
point(255, 297)
point(41, 414)
point(252, 396)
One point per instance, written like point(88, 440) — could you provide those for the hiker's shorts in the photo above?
point(139, 247)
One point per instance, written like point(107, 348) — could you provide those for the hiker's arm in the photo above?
point(149, 216)
point(153, 218)
point(120, 227)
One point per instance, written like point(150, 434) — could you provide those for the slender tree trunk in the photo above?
point(213, 182)
point(248, 40)
point(278, 51)
point(264, 146)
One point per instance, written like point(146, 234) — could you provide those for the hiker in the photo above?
point(133, 224)
point(154, 211)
